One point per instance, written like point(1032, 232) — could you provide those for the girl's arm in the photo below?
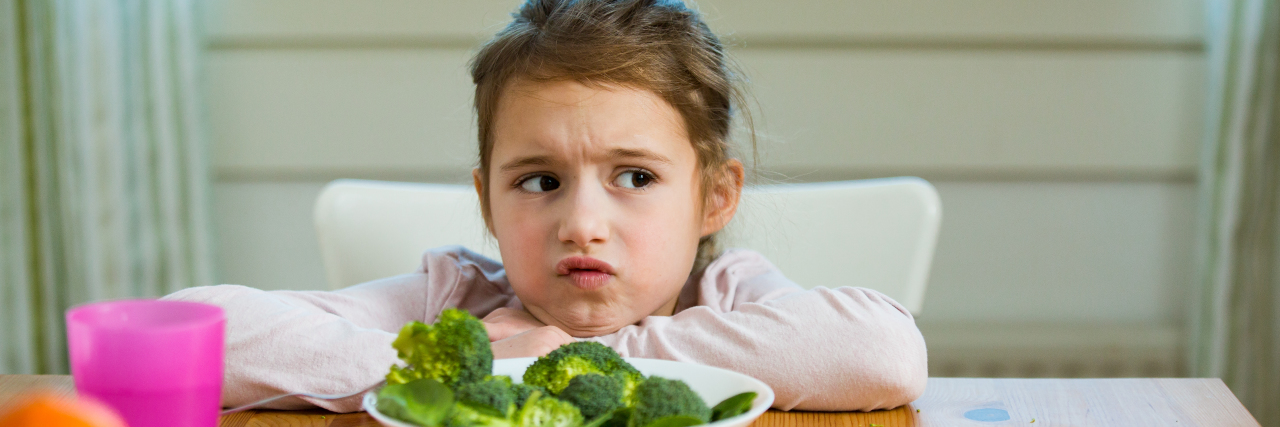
point(820, 349)
point(336, 342)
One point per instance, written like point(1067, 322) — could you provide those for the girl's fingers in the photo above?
point(504, 323)
point(501, 331)
point(532, 343)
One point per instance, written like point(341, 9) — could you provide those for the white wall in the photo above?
point(1062, 136)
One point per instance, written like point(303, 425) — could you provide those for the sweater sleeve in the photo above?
point(822, 349)
point(338, 342)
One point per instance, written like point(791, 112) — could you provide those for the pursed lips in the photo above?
point(585, 272)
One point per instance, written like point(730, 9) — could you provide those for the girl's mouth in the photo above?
point(585, 272)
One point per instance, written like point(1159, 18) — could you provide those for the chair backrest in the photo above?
point(877, 233)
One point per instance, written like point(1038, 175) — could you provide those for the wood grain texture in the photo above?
point(1187, 402)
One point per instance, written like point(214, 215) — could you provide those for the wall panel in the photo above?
point(332, 112)
point(1167, 22)
point(406, 113)
point(1062, 252)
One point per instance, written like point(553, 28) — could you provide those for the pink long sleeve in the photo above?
point(339, 342)
point(821, 349)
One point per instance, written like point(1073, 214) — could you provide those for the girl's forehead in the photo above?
point(569, 119)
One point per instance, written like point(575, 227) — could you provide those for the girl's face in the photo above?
point(594, 197)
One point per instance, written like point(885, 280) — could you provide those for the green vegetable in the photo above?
point(658, 398)
point(594, 394)
point(455, 350)
point(619, 418)
point(424, 402)
point(733, 406)
point(554, 370)
point(469, 415)
point(547, 411)
point(494, 393)
point(523, 391)
point(446, 381)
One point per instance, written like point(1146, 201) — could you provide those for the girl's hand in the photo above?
point(505, 322)
point(535, 342)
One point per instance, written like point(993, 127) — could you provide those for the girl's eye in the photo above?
point(539, 183)
point(633, 179)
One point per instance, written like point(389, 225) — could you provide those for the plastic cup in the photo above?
point(158, 363)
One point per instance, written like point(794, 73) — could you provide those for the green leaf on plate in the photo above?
point(733, 406)
point(425, 402)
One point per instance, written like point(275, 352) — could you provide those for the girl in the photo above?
point(604, 175)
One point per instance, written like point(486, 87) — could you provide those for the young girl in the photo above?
point(604, 175)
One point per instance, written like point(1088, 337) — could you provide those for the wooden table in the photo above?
point(946, 402)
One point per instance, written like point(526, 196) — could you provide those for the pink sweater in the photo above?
point(820, 349)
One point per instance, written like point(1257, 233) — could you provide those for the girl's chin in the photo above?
point(588, 323)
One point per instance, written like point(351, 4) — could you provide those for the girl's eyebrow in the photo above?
point(625, 153)
point(526, 161)
point(636, 153)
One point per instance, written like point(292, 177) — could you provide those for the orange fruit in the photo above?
point(49, 410)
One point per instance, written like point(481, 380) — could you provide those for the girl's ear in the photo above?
point(484, 203)
point(475, 176)
point(724, 199)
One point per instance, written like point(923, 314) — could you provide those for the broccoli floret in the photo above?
point(593, 394)
point(454, 350)
point(554, 370)
point(523, 391)
point(494, 392)
point(546, 411)
point(629, 381)
point(620, 417)
point(466, 414)
point(659, 397)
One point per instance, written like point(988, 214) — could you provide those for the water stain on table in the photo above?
point(988, 415)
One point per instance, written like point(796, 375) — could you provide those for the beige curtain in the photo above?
point(103, 172)
point(1236, 322)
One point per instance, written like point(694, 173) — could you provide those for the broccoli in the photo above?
point(554, 370)
point(494, 393)
point(620, 417)
point(547, 411)
point(629, 381)
point(523, 391)
point(658, 398)
point(594, 394)
point(454, 350)
point(467, 414)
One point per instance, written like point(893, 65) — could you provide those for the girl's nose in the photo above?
point(586, 221)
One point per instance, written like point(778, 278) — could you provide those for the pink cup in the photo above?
point(159, 363)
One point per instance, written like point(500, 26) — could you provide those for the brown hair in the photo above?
point(655, 45)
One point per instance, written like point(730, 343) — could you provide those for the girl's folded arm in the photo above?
point(281, 342)
point(339, 342)
point(821, 349)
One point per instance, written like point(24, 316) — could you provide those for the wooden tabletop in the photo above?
point(946, 402)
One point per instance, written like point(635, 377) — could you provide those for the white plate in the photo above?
point(713, 384)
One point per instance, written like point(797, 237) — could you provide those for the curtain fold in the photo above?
point(106, 182)
point(1235, 334)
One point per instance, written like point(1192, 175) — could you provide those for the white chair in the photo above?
point(876, 233)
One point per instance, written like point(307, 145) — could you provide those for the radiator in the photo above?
point(1053, 351)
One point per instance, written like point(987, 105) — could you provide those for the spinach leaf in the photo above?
point(425, 402)
point(733, 406)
